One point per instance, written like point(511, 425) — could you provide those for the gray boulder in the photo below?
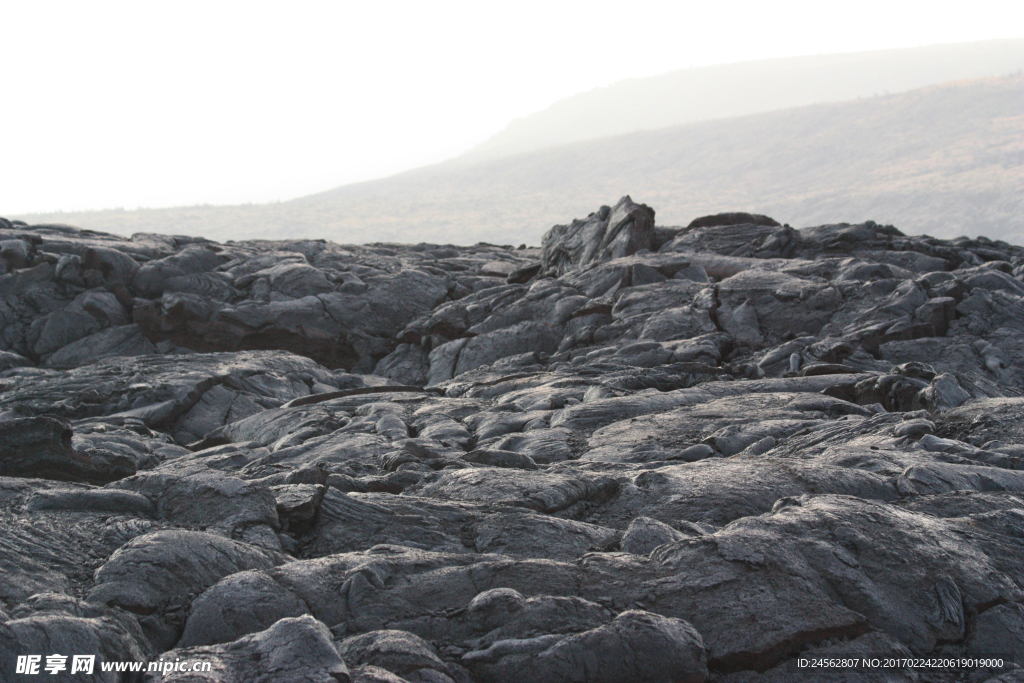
point(104, 637)
point(237, 605)
point(609, 233)
point(645, 534)
point(635, 646)
point(121, 341)
point(156, 574)
point(293, 650)
point(399, 652)
point(199, 497)
point(42, 447)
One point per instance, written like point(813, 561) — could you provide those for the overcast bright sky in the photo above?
point(161, 104)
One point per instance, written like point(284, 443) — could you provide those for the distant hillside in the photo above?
point(726, 90)
point(943, 160)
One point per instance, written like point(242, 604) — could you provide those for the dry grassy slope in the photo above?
point(943, 160)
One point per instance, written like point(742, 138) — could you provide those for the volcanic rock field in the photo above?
point(636, 454)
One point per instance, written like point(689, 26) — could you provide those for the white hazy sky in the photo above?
point(106, 105)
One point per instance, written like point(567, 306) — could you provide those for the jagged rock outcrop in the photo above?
point(609, 233)
point(635, 454)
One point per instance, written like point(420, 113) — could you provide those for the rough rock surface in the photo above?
point(636, 454)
